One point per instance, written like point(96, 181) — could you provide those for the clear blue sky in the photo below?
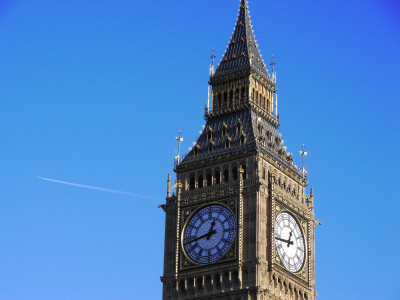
point(93, 92)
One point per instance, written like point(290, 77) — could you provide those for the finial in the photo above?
point(178, 154)
point(169, 185)
point(303, 154)
point(212, 61)
point(272, 64)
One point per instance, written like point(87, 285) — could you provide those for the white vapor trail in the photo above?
point(97, 188)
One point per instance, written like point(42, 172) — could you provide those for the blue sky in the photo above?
point(93, 92)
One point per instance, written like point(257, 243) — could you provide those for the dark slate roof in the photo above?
point(242, 53)
point(231, 121)
point(255, 140)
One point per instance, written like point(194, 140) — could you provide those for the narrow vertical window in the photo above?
point(227, 144)
point(191, 182)
point(209, 178)
point(224, 131)
point(225, 99)
point(239, 128)
point(200, 181)
point(226, 175)
point(209, 135)
point(217, 176)
point(234, 173)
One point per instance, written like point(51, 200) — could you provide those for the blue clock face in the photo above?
point(209, 234)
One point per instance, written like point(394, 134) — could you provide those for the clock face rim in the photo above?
point(191, 217)
point(303, 239)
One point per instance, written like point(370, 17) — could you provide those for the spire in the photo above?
point(242, 53)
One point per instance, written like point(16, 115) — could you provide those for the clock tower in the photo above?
point(240, 224)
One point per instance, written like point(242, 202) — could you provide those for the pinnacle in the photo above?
point(242, 53)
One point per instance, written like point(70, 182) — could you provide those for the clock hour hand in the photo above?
point(290, 238)
point(209, 234)
point(289, 242)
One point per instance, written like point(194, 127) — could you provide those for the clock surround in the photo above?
point(209, 233)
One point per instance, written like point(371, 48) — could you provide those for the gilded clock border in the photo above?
point(303, 272)
point(231, 203)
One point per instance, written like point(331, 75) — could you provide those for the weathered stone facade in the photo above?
point(239, 161)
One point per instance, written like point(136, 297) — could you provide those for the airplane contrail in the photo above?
point(97, 188)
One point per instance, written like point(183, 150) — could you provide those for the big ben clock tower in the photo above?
point(240, 225)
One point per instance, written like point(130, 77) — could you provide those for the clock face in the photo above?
point(289, 242)
point(209, 234)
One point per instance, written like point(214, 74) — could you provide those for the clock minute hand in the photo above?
point(201, 237)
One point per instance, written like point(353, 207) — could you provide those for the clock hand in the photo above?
point(209, 234)
point(290, 239)
point(289, 242)
point(198, 238)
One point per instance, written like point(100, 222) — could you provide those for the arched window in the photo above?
point(200, 181)
point(210, 147)
point(209, 135)
point(219, 100)
point(182, 286)
point(208, 283)
point(224, 130)
point(239, 128)
point(190, 286)
point(199, 283)
point(217, 176)
point(234, 173)
point(209, 178)
point(227, 144)
point(226, 175)
point(237, 95)
point(230, 97)
point(225, 99)
point(191, 182)
point(225, 279)
point(242, 140)
point(217, 281)
point(235, 278)
point(243, 93)
point(264, 174)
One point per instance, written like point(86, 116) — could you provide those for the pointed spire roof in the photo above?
point(242, 53)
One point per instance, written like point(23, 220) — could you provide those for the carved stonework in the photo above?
point(237, 191)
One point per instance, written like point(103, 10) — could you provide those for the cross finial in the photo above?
point(212, 61)
point(303, 154)
point(178, 154)
point(272, 64)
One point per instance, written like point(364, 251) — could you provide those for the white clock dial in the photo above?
point(289, 242)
